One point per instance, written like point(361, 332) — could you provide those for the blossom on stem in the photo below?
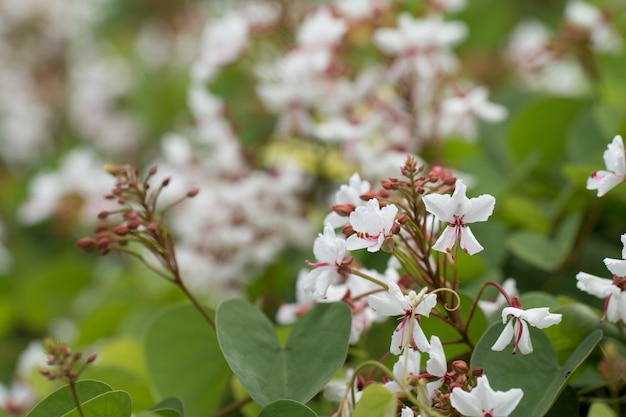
point(615, 161)
point(411, 306)
point(372, 225)
point(612, 290)
point(406, 367)
point(483, 401)
point(348, 194)
point(516, 329)
point(436, 365)
point(329, 251)
point(458, 211)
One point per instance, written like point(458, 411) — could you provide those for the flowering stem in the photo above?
point(480, 293)
point(369, 278)
point(72, 384)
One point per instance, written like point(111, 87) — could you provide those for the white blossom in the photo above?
point(483, 401)
point(615, 162)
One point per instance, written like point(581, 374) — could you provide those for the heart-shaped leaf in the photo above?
point(109, 404)
point(287, 408)
point(61, 401)
point(270, 371)
point(184, 360)
point(538, 374)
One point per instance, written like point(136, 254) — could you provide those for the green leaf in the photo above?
point(109, 404)
point(184, 360)
point(539, 131)
point(376, 401)
point(538, 374)
point(287, 408)
point(173, 403)
point(600, 409)
point(433, 326)
point(313, 353)
point(61, 401)
point(541, 251)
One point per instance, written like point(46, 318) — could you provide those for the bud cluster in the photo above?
point(67, 365)
point(459, 377)
point(138, 218)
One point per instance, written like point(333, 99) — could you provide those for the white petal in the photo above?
point(614, 156)
point(426, 305)
point(465, 402)
point(459, 203)
point(355, 243)
point(600, 287)
point(436, 364)
point(524, 344)
point(469, 243)
point(482, 208)
point(398, 340)
point(616, 266)
point(437, 204)
point(420, 338)
point(446, 241)
point(390, 303)
point(505, 337)
point(541, 317)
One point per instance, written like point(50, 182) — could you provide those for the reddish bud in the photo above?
point(153, 227)
point(91, 358)
point(87, 244)
point(369, 195)
point(343, 209)
point(193, 192)
point(460, 367)
point(395, 229)
point(133, 224)
point(120, 230)
point(121, 200)
point(347, 230)
point(153, 170)
point(478, 372)
point(103, 214)
point(403, 218)
point(385, 193)
point(166, 181)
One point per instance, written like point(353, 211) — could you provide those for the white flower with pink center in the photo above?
point(615, 161)
point(372, 225)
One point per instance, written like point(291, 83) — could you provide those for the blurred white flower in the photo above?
point(615, 173)
point(587, 17)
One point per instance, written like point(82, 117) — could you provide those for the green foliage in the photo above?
point(538, 374)
point(184, 360)
point(109, 404)
point(315, 350)
point(287, 408)
point(376, 401)
point(61, 402)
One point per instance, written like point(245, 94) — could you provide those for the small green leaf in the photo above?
point(184, 360)
point(600, 409)
point(61, 401)
point(314, 352)
point(543, 252)
point(109, 404)
point(169, 407)
point(287, 408)
point(376, 401)
point(538, 374)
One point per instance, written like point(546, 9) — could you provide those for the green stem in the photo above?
point(75, 395)
point(369, 278)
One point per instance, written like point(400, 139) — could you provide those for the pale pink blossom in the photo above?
point(458, 211)
point(615, 161)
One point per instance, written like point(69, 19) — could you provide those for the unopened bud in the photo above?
point(403, 218)
point(385, 193)
point(153, 170)
point(112, 169)
point(478, 372)
point(166, 181)
point(133, 224)
point(87, 244)
point(153, 227)
point(44, 371)
point(91, 358)
point(120, 230)
point(121, 200)
point(369, 195)
point(460, 367)
point(347, 230)
point(103, 214)
point(395, 229)
point(193, 192)
point(343, 209)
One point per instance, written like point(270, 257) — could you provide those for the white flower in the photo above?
point(329, 251)
point(407, 412)
point(459, 113)
point(411, 306)
point(483, 401)
point(17, 399)
point(516, 329)
point(372, 225)
point(611, 290)
point(406, 367)
point(458, 211)
point(321, 29)
point(436, 365)
point(348, 194)
point(591, 19)
point(615, 162)
point(422, 45)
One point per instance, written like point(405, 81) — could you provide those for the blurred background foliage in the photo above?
point(111, 78)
